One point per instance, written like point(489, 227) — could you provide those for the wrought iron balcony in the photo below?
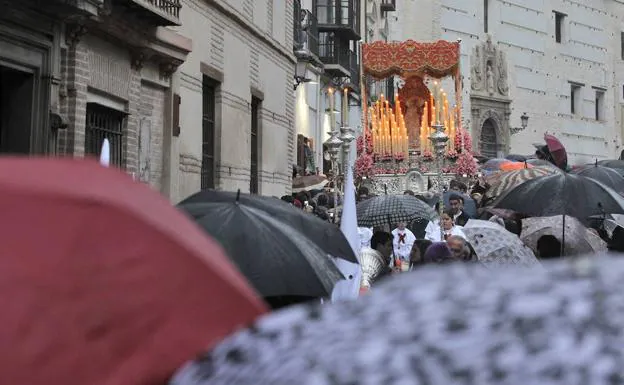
point(334, 52)
point(306, 34)
point(388, 5)
point(339, 16)
point(354, 71)
point(158, 12)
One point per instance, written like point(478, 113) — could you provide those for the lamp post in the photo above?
point(524, 122)
point(438, 141)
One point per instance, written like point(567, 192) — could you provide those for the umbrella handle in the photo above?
point(386, 188)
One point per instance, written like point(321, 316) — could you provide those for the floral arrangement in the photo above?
point(451, 154)
point(466, 164)
point(427, 156)
point(463, 137)
point(362, 140)
point(364, 162)
point(364, 166)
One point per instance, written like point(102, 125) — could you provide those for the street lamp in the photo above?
point(301, 71)
point(524, 122)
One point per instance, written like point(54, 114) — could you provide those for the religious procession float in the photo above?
point(414, 139)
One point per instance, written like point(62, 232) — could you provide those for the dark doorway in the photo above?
point(16, 110)
point(488, 141)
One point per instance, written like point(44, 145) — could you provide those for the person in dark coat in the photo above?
point(456, 202)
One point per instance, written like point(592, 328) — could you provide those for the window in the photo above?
point(209, 104)
point(559, 19)
point(575, 98)
point(599, 101)
point(254, 151)
point(486, 14)
point(104, 123)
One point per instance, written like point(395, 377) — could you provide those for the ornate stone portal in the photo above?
point(489, 100)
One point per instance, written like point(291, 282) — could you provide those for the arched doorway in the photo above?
point(488, 141)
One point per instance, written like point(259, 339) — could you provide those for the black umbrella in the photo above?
point(560, 194)
point(277, 259)
point(604, 175)
point(324, 234)
point(516, 158)
point(616, 164)
point(392, 209)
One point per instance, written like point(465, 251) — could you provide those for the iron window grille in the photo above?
point(105, 123)
point(209, 104)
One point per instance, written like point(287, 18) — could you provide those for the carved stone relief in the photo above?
point(489, 70)
point(489, 99)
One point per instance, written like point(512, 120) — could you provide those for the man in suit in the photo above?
point(456, 202)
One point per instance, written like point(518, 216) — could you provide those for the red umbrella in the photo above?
point(557, 151)
point(103, 282)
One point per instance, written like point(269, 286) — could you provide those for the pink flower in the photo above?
point(463, 140)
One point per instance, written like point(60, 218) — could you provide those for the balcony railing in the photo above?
point(160, 12)
point(341, 16)
point(297, 25)
point(388, 5)
point(306, 35)
point(354, 70)
point(335, 54)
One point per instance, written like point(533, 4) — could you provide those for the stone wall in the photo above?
point(246, 46)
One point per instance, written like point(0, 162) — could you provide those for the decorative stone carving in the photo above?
point(489, 98)
point(415, 181)
point(489, 70)
point(503, 86)
point(74, 33)
point(168, 68)
point(138, 60)
point(477, 73)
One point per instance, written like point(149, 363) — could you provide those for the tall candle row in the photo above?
point(437, 111)
point(388, 128)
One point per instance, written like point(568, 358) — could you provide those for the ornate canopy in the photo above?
point(410, 58)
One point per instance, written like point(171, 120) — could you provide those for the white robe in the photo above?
point(403, 249)
point(433, 233)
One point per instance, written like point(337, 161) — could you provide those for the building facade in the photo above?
point(72, 75)
point(330, 37)
point(236, 101)
point(558, 61)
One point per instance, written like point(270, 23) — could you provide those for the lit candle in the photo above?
point(345, 107)
point(332, 118)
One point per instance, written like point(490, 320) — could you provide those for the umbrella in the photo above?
point(604, 175)
point(308, 182)
point(103, 281)
point(517, 158)
point(557, 325)
point(541, 163)
point(276, 259)
point(494, 164)
point(578, 239)
point(392, 209)
point(560, 194)
point(616, 164)
point(612, 222)
point(495, 246)
point(557, 151)
point(325, 235)
point(511, 166)
point(503, 182)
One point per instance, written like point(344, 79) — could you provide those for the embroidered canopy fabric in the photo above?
point(438, 59)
